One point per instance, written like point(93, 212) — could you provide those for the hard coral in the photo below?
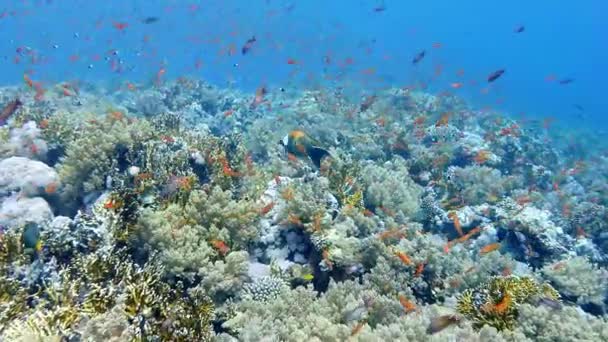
point(389, 188)
point(496, 302)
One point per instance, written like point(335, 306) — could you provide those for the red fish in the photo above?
point(120, 25)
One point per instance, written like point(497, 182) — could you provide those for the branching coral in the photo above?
point(390, 189)
point(579, 280)
point(186, 235)
point(93, 155)
point(541, 323)
point(496, 302)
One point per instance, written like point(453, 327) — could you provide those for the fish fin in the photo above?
point(316, 154)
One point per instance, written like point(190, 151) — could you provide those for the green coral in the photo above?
point(183, 234)
point(579, 280)
point(540, 323)
point(496, 303)
point(390, 189)
point(92, 155)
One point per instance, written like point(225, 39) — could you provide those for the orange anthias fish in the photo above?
point(443, 121)
point(404, 258)
point(267, 208)
point(461, 239)
point(454, 217)
point(221, 247)
point(501, 307)
point(489, 248)
point(456, 85)
point(407, 304)
point(120, 25)
point(482, 156)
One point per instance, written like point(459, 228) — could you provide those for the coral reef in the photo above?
point(579, 280)
point(171, 213)
point(496, 303)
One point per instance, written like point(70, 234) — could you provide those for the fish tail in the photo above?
point(316, 154)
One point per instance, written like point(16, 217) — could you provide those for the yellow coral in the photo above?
point(496, 302)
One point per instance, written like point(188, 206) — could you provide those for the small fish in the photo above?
point(566, 81)
point(551, 303)
point(419, 57)
point(441, 322)
point(519, 29)
point(489, 248)
point(150, 20)
point(9, 110)
point(30, 238)
point(457, 226)
point(404, 258)
point(456, 85)
point(248, 45)
point(259, 96)
point(221, 247)
point(308, 277)
point(367, 103)
point(495, 75)
point(407, 304)
point(120, 25)
point(579, 107)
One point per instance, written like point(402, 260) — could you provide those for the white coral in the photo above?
point(29, 176)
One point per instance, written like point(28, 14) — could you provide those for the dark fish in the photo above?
point(248, 45)
point(9, 110)
point(566, 81)
point(519, 29)
point(553, 304)
point(579, 107)
point(419, 57)
point(368, 102)
point(380, 8)
point(441, 322)
point(150, 20)
point(495, 75)
point(30, 238)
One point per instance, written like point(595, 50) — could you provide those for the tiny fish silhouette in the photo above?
point(495, 75)
point(419, 57)
point(248, 45)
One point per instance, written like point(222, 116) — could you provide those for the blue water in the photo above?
point(333, 43)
